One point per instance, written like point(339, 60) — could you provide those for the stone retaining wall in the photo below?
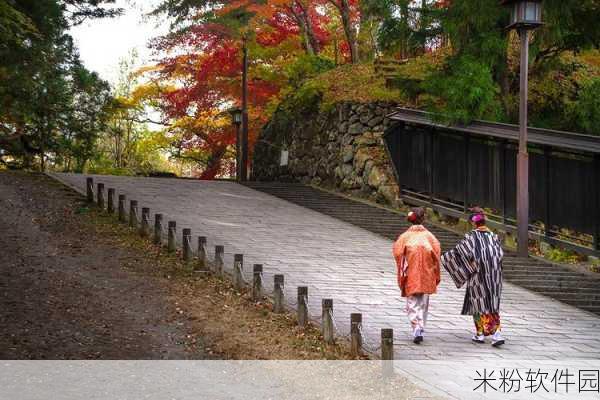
point(341, 149)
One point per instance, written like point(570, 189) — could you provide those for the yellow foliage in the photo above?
point(354, 82)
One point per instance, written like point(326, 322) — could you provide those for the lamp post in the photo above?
point(524, 16)
point(244, 158)
point(236, 118)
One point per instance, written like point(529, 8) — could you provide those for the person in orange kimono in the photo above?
point(417, 253)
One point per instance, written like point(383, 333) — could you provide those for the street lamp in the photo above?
point(244, 159)
point(236, 118)
point(524, 16)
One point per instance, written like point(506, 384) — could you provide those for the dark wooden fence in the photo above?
point(453, 168)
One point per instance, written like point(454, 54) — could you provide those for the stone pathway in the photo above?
point(355, 268)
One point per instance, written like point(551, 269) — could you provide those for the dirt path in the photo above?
point(64, 291)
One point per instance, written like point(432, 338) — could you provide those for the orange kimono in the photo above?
point(417, 253)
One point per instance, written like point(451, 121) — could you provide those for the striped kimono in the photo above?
point(477, 260)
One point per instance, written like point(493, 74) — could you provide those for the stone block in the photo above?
point(377, 177)
point(389, 194)
point(366, 139)
point(368, 166)
point(343, 127)
point(365, 118)
point(356, 128)
point(347, 154)
point(360, 159)
point(347, 170)
point(375, 121)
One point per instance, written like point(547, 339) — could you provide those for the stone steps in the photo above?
point(553, 281)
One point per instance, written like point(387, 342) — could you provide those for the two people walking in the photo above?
point(476, 261)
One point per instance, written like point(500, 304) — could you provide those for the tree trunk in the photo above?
point(309, 41)
point(349, 30)
point(344, 8)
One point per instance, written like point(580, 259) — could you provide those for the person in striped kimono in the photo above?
point(477, 261)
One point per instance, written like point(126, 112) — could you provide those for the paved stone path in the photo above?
point(355, 268)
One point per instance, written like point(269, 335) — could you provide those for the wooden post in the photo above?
point(122, 216)
point(238, 270)
point(278, 296)
point(504, 182)
point(202, 253)
point(100, 196)
point(257, 282)
point(387, 352)
point(187, 245)
point(597, 207)
point(133, 211)
point(111, 201)
point(145, 228)
point(355, 334)
point(327, 326)
point(467, 177)
point(89, 185)
point(387, 344)
point(548, 197)
point(219, 256)
point(158, 218)
point(302, 305)
point(171, 240)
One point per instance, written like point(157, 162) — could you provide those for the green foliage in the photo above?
point(303, 101)
point(563, 256)
point(477, 29)
point(466, 90)
point(307, 66)
point(587, 109)
point(51, 107)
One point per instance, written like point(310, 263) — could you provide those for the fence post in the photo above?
point(158, 218)
point(278, 294)
point(122, 200)
point(100, 196)
point(187, 245)
point(355, 335)
point(387, 351)
point(219, 256)
point(257, 282)
point(327, 327)
point(171, 240)
point(111, 201)
point(145, 228)
point(89, 184)
point(133, 211)
point(302, 305)
point(202, 253)
point(238, 270)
